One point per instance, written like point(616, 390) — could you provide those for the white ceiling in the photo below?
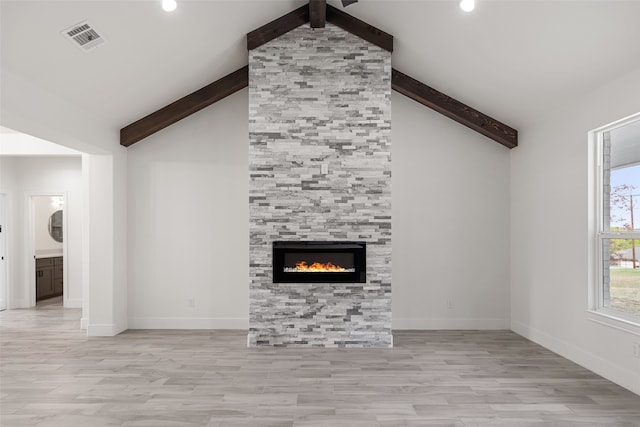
point(510, 59)
point(13, 143)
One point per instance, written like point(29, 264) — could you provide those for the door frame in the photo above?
point(4, 222)
point(31, 243)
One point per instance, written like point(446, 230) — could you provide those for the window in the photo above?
point(617, 228)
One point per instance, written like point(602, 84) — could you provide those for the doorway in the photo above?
point(48, 232)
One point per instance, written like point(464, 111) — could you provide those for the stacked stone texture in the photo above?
point(320, 96)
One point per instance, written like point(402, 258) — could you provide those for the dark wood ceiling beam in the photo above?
point(454, 109)
point(317, 13)
point(359, 28)
point(239, 79)
point(300, 16)
point(184, 107)
point(278, 27)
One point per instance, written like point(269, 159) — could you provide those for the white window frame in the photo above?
point(597, 234)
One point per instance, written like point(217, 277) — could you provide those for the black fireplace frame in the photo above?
point(358, 249)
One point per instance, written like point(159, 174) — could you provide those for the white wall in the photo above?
point(450, 223)
point(188, 222)
point(20, 178)
point(549, 234)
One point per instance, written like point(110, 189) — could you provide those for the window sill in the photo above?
point(613, 321)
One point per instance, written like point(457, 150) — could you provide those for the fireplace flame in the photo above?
point(317, 267)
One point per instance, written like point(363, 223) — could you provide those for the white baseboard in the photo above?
point(626, 378)
point(104, 330)
point(19, 303)
point(188, 323)
point(83, 323)
point(120, 327)
point(73, 303)
point(450, 324)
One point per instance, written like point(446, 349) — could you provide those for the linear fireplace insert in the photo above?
point(319, 262)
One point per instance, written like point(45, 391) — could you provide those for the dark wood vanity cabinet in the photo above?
point(48, 277)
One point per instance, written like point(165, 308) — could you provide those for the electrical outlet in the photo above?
point(449, 304)
point(636, 349)
point(192, 302)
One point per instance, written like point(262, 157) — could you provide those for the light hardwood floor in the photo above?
point(53, 375)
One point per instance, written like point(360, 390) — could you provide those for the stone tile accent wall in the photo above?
point(320, 96)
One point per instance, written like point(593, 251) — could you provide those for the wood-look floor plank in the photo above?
point(53, 375)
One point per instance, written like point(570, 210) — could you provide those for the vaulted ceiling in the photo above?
point(512, 60)
point(316, 13)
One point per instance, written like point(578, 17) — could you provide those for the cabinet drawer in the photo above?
point(44, 262)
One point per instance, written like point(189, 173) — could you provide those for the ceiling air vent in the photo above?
point(83, 35)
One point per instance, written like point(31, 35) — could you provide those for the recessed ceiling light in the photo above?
point(169, 5)
point(467, 5)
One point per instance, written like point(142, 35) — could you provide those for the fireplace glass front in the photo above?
point(319, 262)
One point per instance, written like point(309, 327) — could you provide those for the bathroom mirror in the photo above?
point(55, 226)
